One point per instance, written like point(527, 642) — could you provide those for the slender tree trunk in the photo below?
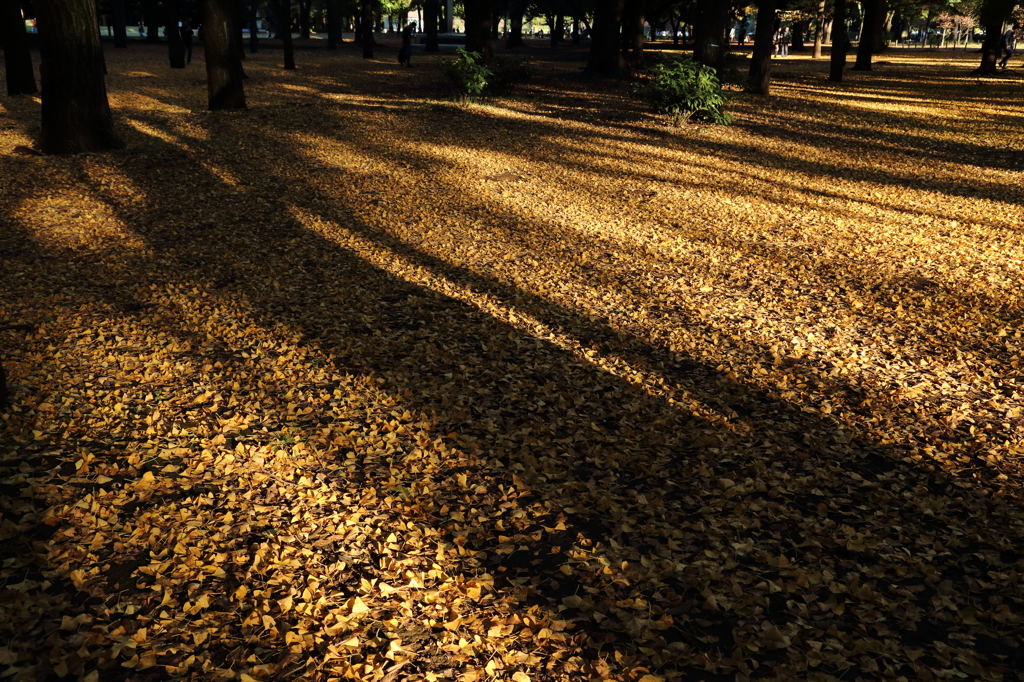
point(149, 15)
point(221, 48)
point(304, 8)
point(75, 113)
point(334, 24)
point(432, 15)
point(575, 30)
point(869, 24)
point(478, 27)
point(712, 20)
point(819, 30)
point(840, 43)
point(254, 38)
point(637, 17)
point(552, 38)
point(799, 30)
point(175, 51)
point(120, 24)
point(759, 76)
point(285, 30)
point(515, 35)
point(605, 59)
point(366, 22)
point(17, 56)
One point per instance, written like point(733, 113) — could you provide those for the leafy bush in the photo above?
point(506, 72)
point(684, 89)
point(466, 73)
point(472, 79)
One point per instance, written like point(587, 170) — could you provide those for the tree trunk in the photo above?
point(334, 37)
point(799, 31)
point(759, 76)
point(254, 39)
point(221, 48)
point(992, 19)
point(366, 23)
point(710, 24)
point(17, 56)
point(840, 43)
point(869, 24)
point(175, 50)
point(432, 15)
point(285, 30)
point(637, 16)
point(75, 113)
point(819, 30)
point(515, 35)
point(478, 27)
point(878, 38)
point(304, 9)
point(120, 24)
point(149, 15)
point(605, 59)
point(495, 23)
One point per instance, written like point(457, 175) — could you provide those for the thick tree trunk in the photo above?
point(759, 76)
point(175, 51)
point(304, 8)
point(334, 24)
point(17, 56)
point(990, 47)
point(478, 27)
point(515, 35)
point(366, 22)
point(285, 30)
point(637, 17)
point(150, 12)
point(432, 15)
point(869, 25)
point(221, 48)
point(711, 22)
point(120, 24)
point(799, 31)
point(878, 35)
point(606, 58)
point(75, 113)
point(840, 43)
point(819, 30)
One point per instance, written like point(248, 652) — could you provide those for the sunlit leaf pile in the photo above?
point(362, 383)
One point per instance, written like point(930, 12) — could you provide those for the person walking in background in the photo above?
point(786, 39)
point(405, 52)
point(186, 40)
point(1006, 45)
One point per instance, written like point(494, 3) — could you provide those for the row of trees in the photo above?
point(76, 116)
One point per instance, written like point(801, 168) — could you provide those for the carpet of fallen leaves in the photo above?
point(364, 384)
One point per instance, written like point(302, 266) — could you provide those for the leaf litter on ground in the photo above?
point(363, 384)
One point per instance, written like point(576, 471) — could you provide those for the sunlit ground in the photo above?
point(360, 382)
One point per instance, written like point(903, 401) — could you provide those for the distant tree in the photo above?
point(284, 29)
point(605, 59)
point(221, 48)
point(637, 17)
point(431, 16)
point(819, 29)
point(120, 23)
point(17, 57)
point(151, 17)
point(75, 113)
point(175, 49)
point(478, 27)
point(840, 43)
point(366, 24)
point(759, 76)
point(711, 22)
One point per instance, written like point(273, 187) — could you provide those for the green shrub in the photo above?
point(466, 73)
point(684, 89)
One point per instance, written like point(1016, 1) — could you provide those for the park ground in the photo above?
point(363, 383)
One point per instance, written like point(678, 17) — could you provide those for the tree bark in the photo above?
point(334, 24)
point(285, 30)
point(366, 23)
point(710, 24)
point(840, 43)
point(304, 9)
point(175, 50)
point(869, 24)
point(254, 39)
point(432, 15)
point(150, 12)
point(17, 56)
point(759, 76)
point(799, 30)
point(221, 48)
point(605, 59)
point(637, 17)
point(819, 30)
point(478, 28)
point(992, 15)
point(515, 35)
point(120, 24)
point(75, 113)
